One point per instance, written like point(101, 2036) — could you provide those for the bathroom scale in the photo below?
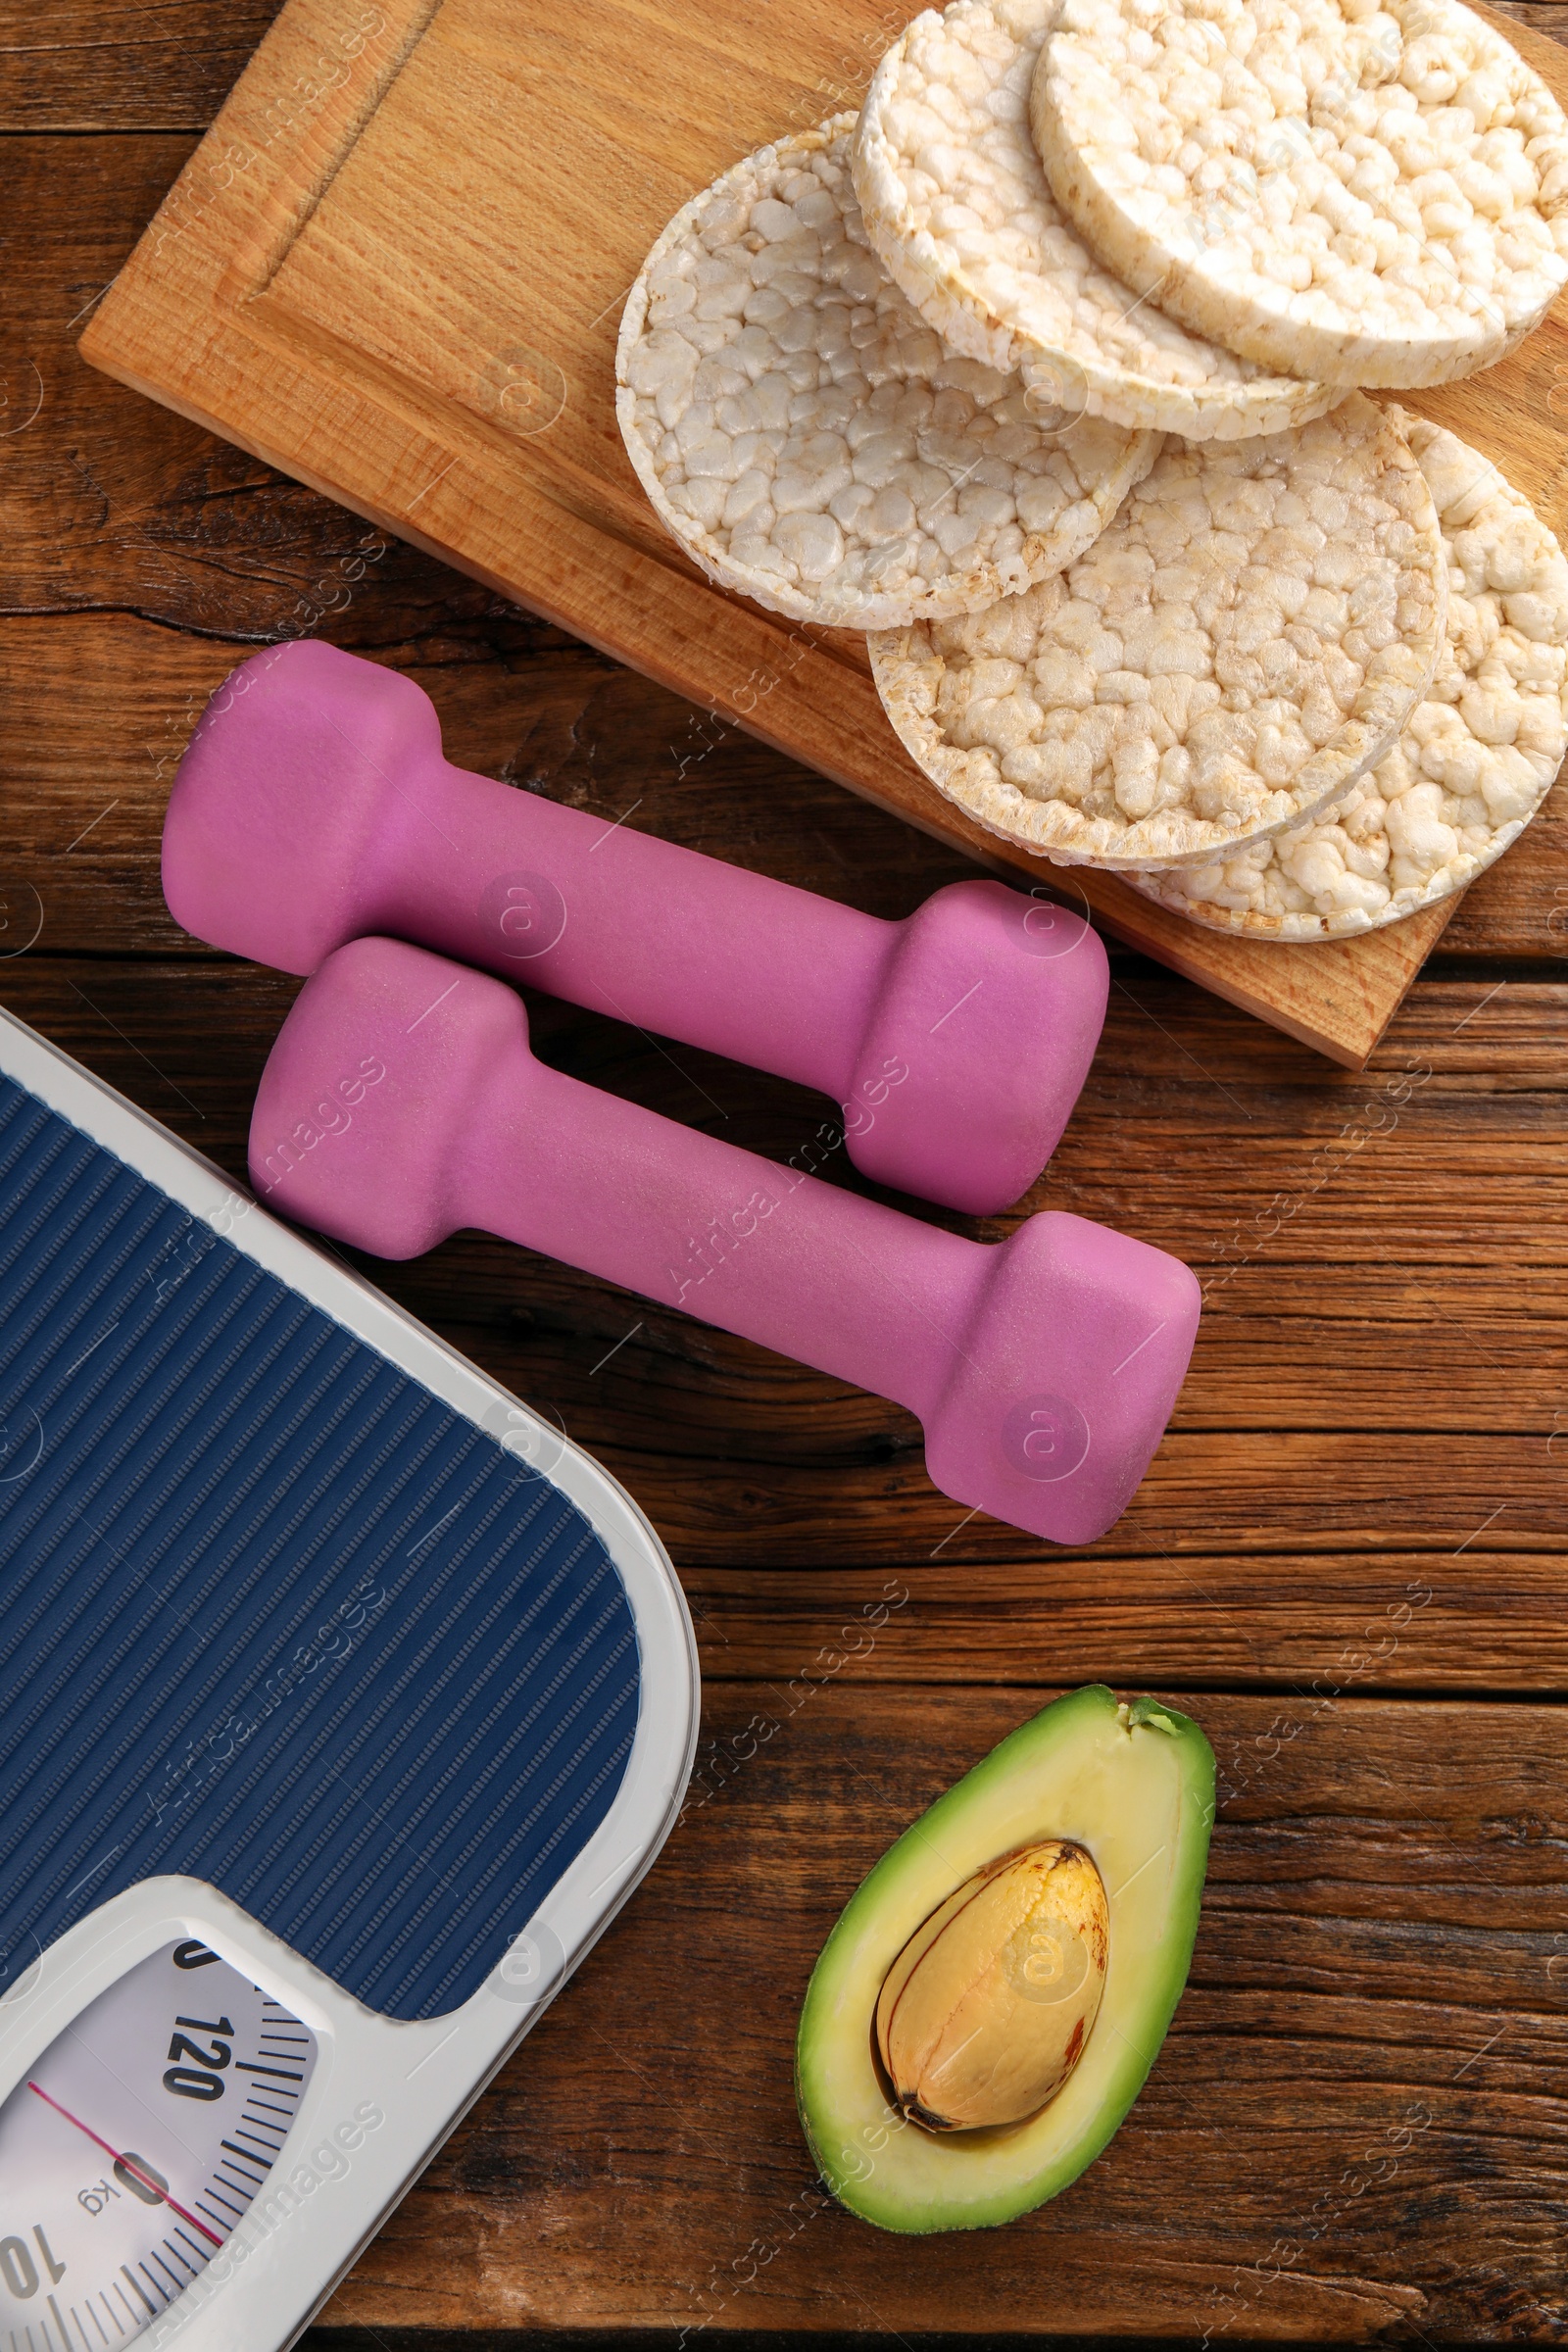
point(343, 1701)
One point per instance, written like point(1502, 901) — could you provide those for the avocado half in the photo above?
point(1135, 1784)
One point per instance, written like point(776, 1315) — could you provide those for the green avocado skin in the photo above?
point(1078, 1716)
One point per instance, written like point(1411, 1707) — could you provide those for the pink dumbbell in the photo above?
point(401, 1101)
point(314, 805)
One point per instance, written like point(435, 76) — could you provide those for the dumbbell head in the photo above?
point(1066, 1378)
point(993, 1002)
point(363, 1127)
point(401, 1102)
point(288, 807)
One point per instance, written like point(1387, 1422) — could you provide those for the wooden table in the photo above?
point(1346, 1559)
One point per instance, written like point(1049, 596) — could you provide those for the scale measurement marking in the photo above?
point(135, 2293)
point(239, 2171)
point(116, 2158)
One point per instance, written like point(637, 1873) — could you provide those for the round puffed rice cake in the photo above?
point(804, 433)
point(1376, 195)
point(1248, 636)
point(957, 205)
point(1475, 761)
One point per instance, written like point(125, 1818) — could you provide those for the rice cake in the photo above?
point(1377, 195)
point(806, 437)
point(1247, 638)
point(1477, 758)
point(957, 207)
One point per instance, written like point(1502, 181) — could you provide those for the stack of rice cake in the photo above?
point(1048, 371)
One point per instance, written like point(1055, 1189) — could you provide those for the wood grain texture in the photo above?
point(94, 65)
point(402, 284)
point(1350, 1965)
point(1348, 1564)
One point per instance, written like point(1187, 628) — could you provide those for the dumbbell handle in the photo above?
point(401, 1102)
point(314, 805)
point(724, 959)
point(860, 1291)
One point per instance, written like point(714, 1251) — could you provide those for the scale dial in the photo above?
point(133, 2146)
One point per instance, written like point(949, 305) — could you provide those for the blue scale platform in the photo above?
point(271, 1614)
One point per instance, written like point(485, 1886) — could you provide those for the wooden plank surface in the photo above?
point(1369, 2064)
point(396, 269)
point(1350, 1968)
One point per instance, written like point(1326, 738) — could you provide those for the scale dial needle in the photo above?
point(131, 2165)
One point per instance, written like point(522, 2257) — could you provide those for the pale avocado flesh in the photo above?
point(1135, 1786)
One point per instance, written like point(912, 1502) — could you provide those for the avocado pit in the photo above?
point(989, 2006)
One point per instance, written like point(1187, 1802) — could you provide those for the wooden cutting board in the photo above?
point(395, 269)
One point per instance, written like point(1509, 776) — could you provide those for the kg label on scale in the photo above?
point(133, 2146)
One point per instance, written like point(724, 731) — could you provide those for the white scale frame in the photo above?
point(336, 2178)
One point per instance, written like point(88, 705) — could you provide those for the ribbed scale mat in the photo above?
point(271, 1614)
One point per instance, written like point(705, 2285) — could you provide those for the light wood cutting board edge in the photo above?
point(188, 323)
